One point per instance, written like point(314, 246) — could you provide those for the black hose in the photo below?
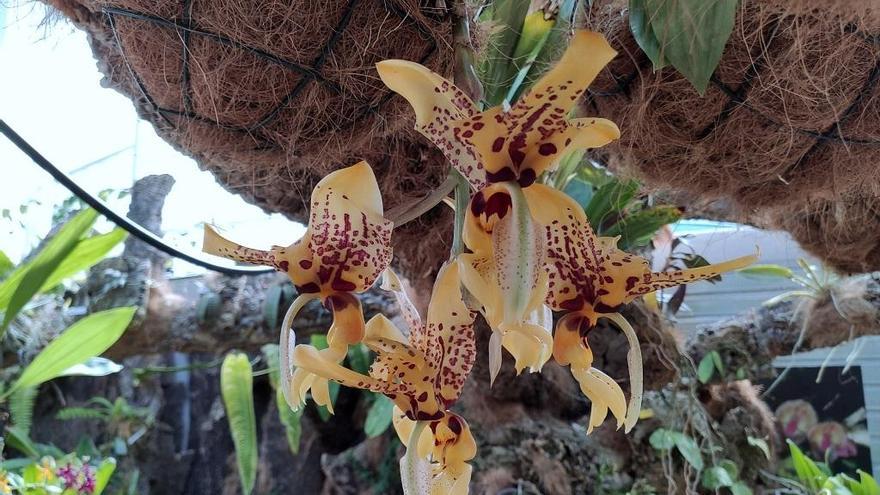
point(102, 207)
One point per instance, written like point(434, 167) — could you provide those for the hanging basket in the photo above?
point(791, 119)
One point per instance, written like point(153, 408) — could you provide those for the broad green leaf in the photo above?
point(777, 271)
point(640, 25)
point(761, 444)
point(359, 358)
point(688, 449)
point(740, 488)
point(103, 474)
point(636, 229)
point(706, 369)
point(731, 468)
point(291, 421)
point(807, 470)
point(21, 408)
point(610, 200)
point(20, 441)
point(719, 364)
point(37, 271)
point(6, 265)
point(236, 387)
point(661, 439)
point(579, 190)
point(84, 255)
point(379, 416)
point(288, 417)
point(716, 477)
point(692, 34)
point(85, 339)
point(867, 484)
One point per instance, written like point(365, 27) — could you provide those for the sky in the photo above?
point(50, 93)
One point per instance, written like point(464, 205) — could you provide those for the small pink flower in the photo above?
point(831, 436)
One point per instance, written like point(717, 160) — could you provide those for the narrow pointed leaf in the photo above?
point(85, 339)
point(37, 271)
point(640, 25)
point(236, 386)
point(103, 475)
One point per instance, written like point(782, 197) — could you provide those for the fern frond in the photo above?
point(21, 407)
point(73, 413)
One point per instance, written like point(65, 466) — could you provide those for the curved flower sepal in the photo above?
point(516, 144)
point(571, 348)
point(348, 328)
point(346, 246)
point(436, 462)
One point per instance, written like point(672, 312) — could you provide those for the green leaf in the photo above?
point(719, 364)
point(807, 470)
point(777, 271)
point(21, 408)
point(610, 199)
point(359, 358)
point(640, 25)
point(706, 368)
point(716, 477)
point(87, 338)
point(291, 421)
point(661, 439)
point(740, 488)
point(688, 449)
point(637, 229)
point(761, 444)
point(37, 271)
point(84, 255)
point(692, 34)
point(236, 387)
point(731, 468)
point(379, 416)
point(867, 484)
point(6, 265)
point(103, 474)
point(20, 441)
point(495, 68)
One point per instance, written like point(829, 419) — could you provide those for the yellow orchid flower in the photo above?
point(346, 247)
point(590, 278)
point(501, 152)
point(423, 374)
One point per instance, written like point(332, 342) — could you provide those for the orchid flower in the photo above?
point(346, 247)
point(423, 374)
point(501, 152)
point(590, 278)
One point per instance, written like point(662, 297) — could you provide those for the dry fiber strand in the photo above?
point(790, 122)
point(270, 96)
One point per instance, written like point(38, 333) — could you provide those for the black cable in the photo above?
point(102, 207)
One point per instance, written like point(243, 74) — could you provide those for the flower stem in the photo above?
point(462, 198)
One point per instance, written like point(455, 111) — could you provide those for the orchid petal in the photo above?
point(603, 392)
point(391, 282)
point(216, 244)
point(571, 248)
point(404, 427)
point(634, 363)
point(438, 104)
point(494, 356)
point(349, 238)
point(448, 342)
point(570, 344)
point(380, 327)
point(629, 276)
point(286, 346)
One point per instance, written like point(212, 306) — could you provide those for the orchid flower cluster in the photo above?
point(530, 252)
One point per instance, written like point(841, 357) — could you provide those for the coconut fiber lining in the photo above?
point(789, 126)
point(270, 96)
